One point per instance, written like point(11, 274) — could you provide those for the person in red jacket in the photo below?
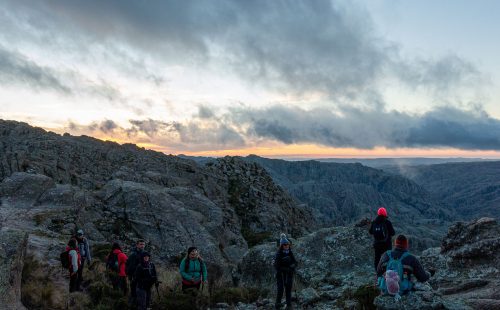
point(115, 263)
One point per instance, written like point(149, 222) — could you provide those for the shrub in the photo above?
point(365, 295)
point(36, 287)
point(255, 238)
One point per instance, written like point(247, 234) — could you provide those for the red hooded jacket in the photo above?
point(122, 260)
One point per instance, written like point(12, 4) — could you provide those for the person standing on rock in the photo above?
point(84, 248)
point(193, 270)
point(74, 264)
point(284, 262)
point(134, 259)
point(382, 231)
point(410, 265)
point(145, 277)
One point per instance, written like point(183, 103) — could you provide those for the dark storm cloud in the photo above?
point(294, 46)
point(366, 129)
point(17, 69)
point(107, 126)
point(455, 128)
point(149, 127)
point(445, 127)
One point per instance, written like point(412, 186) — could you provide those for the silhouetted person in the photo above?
point(382, 231)
point(285, 264)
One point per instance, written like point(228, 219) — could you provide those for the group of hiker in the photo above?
point(137, 269)
point(394, 268)
point(74, 258)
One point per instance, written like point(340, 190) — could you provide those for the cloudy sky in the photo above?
point(276, 78)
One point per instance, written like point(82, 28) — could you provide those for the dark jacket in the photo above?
point(145, 275)
point(284, 262)
point(133, 261)
point(411, 265)
point(390, 231)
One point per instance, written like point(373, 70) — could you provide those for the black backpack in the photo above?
point(380, 231)
point(64, 257)
point(112, 263)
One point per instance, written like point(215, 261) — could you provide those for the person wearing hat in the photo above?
point(284, 263)
point(411, 264)
point(84, 248)
point(193, 270)
point(146, 277)
point(382, 231)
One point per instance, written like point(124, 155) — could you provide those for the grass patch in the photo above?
point(42, 217)
point(255, 238)
point(100, 251)
point(100, 291)
point(36, 288)
point(177, 300)
point(365, 295)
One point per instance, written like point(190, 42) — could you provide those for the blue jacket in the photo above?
point(196, 269)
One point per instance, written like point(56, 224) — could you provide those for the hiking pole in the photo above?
point(157, 291)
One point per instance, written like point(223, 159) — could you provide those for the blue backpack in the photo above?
point(394, 281)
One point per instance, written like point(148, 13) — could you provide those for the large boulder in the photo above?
point(12, 251)
point(23, 187)
point(468, 264)
point(334, 268)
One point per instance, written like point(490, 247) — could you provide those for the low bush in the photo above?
point(36, 288)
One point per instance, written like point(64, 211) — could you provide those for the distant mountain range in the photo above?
point(342, 194)
point(406, 161)
point(469, 189)
point(372, 162)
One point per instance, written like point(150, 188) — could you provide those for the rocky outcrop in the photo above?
point(468, 264)
point(50, 185)
point(335, 272)
point(334, 268)
point(12, 251)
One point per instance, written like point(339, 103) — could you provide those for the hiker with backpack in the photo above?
point(115, 263)
point(134, 259)
point(382, 231)
point(84, 248)
point(73, 262)
point(193, 270)
point(396, 268)
point(284, 263)
point(145, 277)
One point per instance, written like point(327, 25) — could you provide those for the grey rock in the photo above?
point(12, 251)
point(308, 296)
point(25, 187)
